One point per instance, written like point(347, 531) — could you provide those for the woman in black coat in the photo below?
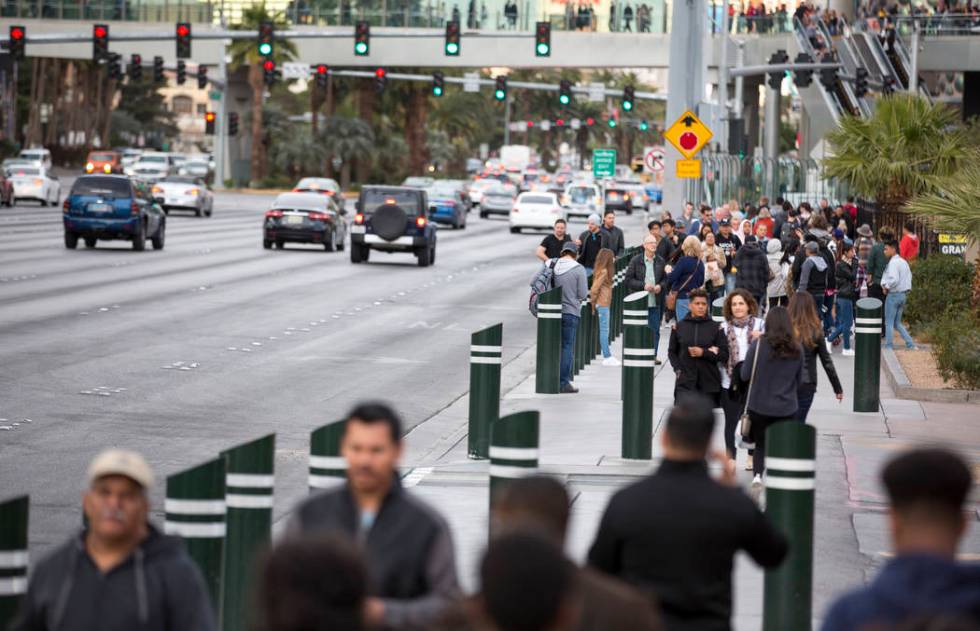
point(809, 333)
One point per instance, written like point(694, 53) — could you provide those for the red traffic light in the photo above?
point(209, 117)
point(100, 31)
point(530, 124)
point(560, 122)
point(268, 65)
point(321, 69)
point(590, 121)
point(16, 32)
point(183, 30)
point(380, 73)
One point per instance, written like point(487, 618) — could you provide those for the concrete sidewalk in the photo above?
point(580, 443)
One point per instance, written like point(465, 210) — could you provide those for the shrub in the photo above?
point(940, 283)
point(956, 348)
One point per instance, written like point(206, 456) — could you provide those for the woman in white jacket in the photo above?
point(779, 271)
point(742, 324)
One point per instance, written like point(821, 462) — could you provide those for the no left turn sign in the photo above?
point(653, 159)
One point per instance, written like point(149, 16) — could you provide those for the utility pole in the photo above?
point(507, 118)
point(914, 73)
point(725, 115)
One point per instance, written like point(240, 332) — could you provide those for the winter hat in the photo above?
point(774, 246)
point(569, 247)
point(838, 233)
point(865, 231)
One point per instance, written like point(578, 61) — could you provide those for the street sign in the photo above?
point(597, 92)
point(953, 243)
point(603, 162)
point(293, 70)
point(576, 123)
point(688, 135)
point(214, 95)
point(688, 169)
point(545, 125)
point(471, 82)
point(653, 159)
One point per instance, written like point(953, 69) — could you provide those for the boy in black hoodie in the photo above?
point(697, 347)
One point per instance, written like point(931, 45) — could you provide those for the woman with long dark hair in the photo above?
point(777, 359)
point(600, 295)
point(847, 294)
point(808, 331)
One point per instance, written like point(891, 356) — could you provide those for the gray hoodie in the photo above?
point(570, 276)
point(809, 264)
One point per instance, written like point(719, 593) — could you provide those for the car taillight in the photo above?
point(319, 216)
point(626, 198)
point(420, 222)
point(67, 205)
point(297, 190)
point(38, 182)
point(193, 191)
point(274, 213)
point(359, 218)
point(134, 208)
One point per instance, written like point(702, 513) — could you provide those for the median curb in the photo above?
point(903, 388)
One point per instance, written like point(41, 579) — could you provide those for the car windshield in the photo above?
point(443, 191)
point(537, 199)
point(580, 194)
point(408, 200)
point(18, 170)
point(419, 182)
point(102, 157)
point(315, 184)
point(104, 186)
point(175, 179)
point(156, 159)
point(32, 155)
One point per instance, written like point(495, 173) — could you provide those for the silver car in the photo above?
point(183, 192)
point(498, 200)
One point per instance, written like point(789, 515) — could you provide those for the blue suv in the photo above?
point(112, 207)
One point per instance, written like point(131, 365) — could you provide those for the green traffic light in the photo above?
point(500, 95)
point(644, 126)
point(361, 48)
point(452, 48)
point(265, 49)
point(612, 122)
point(437, 91)
point(543, 49)
point(563, 99)
point(628, 105)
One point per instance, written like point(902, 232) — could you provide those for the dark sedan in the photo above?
point(305, 218)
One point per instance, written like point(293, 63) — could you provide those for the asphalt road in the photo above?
point(214, 341)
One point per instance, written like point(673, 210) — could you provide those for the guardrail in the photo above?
point(725, 176)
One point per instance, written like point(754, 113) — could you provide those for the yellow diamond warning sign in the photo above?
point(688, 135)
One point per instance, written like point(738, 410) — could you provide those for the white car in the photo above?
point(535, 210)
point(129, 157)
point(582, 199)
point(181, 192)
point(35, 182)
point(323, 185)
point(151, 167)
point(37, 155)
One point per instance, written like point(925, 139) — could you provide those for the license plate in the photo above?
point(357, 230)
point(99, 208)
point(294, 219)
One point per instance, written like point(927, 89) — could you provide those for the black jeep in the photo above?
point(392, 219)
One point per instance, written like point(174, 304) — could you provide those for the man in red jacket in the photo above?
point(908, 249)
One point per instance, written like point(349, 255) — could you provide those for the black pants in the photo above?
point(732, 403)
point(760, 423)
point(682, 389)
point(778, 301)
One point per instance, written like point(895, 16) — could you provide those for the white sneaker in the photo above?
point(757, 480)
point(611, 361)
point(847, 352)
point(830, 346)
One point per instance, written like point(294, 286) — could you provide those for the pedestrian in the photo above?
point(407, 545)
point(846, 272)
point(590, 242)
point(908, 248)
point(810, 336)
point(729, 243)
point(773, 368)
point(896, 281)
point(600, 295)
point(813, 275)
point(761, 236)
point(612, 16)
point(765, 220)
point(789, 227)
point(714, 265)
point(877, 260)
point(654, 228)
point(119, 572)
point(674, 534)
point(645, 272)
point(667, 245)
point(540, 504)
point(778, 271)
point(455, 14)
point(614, 234)
point(697, 348)
point(746, 230)
point(752, 270)
point(927, 491)
point(685, 276)
point(627, 18)
point(312, 583)
point(571, 277)
point(742, 324)
point(687, 216)
point(851, 209)
point(550, 247)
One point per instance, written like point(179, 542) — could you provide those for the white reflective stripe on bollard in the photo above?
point(791, 464)
point(486, 349)
point(866, 329)
point(638, 363)
point(13, 559)
point(476, 359)
point(194, 507)
point(328, 462)
point(635, 322)
point(635, 312)
point(325, 481)
point(250, 480)
point(13, 585)
point(195, 530)
point(550, 316)
point(867, 320)
point(248, 501)
point(514, 453)
point(549, 306)
point(790, 484)
point(639, 351)
point(509, 471)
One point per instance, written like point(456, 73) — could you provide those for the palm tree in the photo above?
point(298, 152)
point(955, 206)
point(901, 151)
point(244, 52)
point(347, 139)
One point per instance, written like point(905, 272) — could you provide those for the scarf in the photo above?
point(749, 322)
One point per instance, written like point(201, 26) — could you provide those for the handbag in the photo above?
point(670, 301)
point(745, 422)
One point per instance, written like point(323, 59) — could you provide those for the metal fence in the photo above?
point(869, 212)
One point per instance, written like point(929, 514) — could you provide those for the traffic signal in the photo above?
point(115, 67)
point(380, 79)
point(181, 72)
point(266, 31)
point(438, 83)
point(202, 76)
point(136, 67)
point(452, 38)
point(17, 36)
point(644, 126)
point(803, 78)
point(362, 39)
point(589, 122)
point(183, 40)
point(321, 72)
point(158, 70)
point(209, 123)
point(500, 88)
point(860, 82)
point(628, 98)
point(269, 72)
point(775, 79)
point(564, 91)
point(100, 41)
point(828, 76)
point(542, 39)
point(232, 123)
point(612, 122)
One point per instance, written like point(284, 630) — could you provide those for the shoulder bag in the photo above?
point(670, 302)
point(745, 423)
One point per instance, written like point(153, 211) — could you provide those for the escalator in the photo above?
point(898, 57)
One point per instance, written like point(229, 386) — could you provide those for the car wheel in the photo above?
point(207, 213)
point(331, 244)
point(515, 230)
point(44, 203)
point(358, 253)
point(198, 212)
point(280, 244)
point(71, 240)
point(432, 255)
point(423, 256)
point(90, 242)
point(139, 239)
point(160, 236)
point(483, 215)
point(266, 244)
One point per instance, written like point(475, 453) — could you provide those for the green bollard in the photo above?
point(513, 450)
point(790, 485)
point(327, 467)
point(867, 354)
point(250, 482)
point(546, 376)
point(718, 310)
point(637, 384)
point(195, 510)
point(13, 556)
point(486, 348)
point(578, 350)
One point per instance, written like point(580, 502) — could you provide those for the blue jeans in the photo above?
point(682, 308)
point(569, 326)
point(804, 398)
point(604, 330)
point(654, 315)
point(894, 305)
point(845, 320)
point(729, 283)
point(828, 313)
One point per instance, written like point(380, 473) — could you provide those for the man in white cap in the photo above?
point(119, 573)
point(590, 242)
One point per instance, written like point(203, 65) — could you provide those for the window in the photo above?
point(202, 108)
point(183, 104)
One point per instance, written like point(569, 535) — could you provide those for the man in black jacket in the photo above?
point(697, 347)
point(407, 545)
point(667, 243)
point(646, 273)
point(590, 242)
point(614, 235)
point(120, 573)
point(730, 244)
point(674, 534)
point(752, 270)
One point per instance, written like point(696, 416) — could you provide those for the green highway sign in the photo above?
point(603, 162)
point(215, 95)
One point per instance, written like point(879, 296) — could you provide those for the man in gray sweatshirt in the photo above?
point(571, 277)
point(813, 273)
